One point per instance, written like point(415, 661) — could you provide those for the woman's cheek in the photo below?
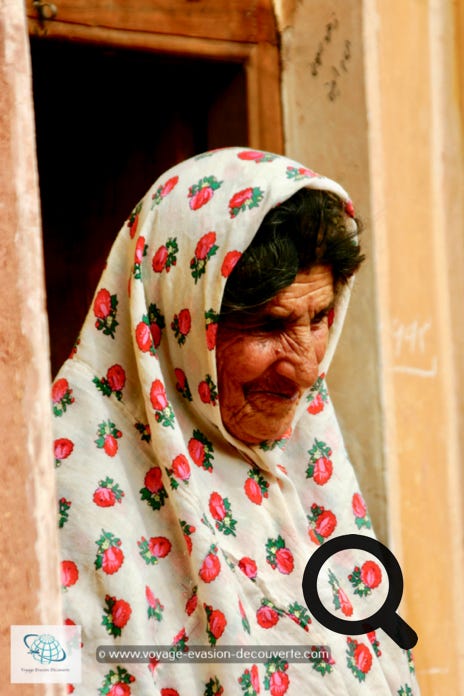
point(321, 340)
point(255, 356)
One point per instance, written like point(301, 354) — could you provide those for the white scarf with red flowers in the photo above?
point(172, 532)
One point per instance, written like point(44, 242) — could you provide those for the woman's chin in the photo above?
point(258, 433)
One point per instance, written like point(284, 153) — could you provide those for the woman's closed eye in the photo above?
point(272, 324)
point(281, 324)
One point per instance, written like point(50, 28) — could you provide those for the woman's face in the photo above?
point(266, 363)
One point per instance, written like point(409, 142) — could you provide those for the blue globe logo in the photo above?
point(44, 648)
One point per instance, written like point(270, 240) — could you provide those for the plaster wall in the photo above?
point(325, 126)
point(418, 197)
point(28, 561)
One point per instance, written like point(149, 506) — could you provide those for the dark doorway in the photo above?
point(109, 122)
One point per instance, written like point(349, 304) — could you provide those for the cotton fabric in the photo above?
point(172, 531)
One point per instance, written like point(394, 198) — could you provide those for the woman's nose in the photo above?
point(297, 360)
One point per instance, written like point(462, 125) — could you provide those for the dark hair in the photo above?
point(307, 229)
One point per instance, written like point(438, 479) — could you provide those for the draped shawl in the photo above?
point(174, 533)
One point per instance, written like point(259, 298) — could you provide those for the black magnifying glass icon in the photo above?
point(386, 617)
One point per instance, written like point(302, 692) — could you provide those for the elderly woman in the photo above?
point(200, 460)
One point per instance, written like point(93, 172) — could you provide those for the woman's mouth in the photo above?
point(287, 395)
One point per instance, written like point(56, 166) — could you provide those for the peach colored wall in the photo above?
point(325, 125)
point(30, 592)
point(387, 123)
point(417, 194)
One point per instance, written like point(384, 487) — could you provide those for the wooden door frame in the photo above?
point(261, 60)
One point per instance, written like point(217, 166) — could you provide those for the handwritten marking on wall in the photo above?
point(418, 371)
point(411, 348)
point(331, 62)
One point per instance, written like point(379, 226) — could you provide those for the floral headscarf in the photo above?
point(174, 533)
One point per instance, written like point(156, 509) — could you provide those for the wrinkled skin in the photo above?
point(266, 363)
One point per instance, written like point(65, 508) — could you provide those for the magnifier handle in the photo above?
point(400, 631)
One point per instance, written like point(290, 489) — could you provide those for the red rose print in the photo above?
point(155, 608)
point(121, 613)
point(253, 491)
point(158, 396)
point(110, 445)
point(205, 245)
point(201, 198)
point(326, 523)
point(240, 198)
point(181, 379)
point(69, 573)
point(371, 575)
point(250, 155)
point(188, 543)
point(59, 390)
point(63, 448)
point(155, 331)
point(143, 336)
point(330, 317)
point(181, 467)
point(69, 689)
point(191, 604)
point(104, 497)
point(181, 324)
point(116, 377)
point(113, 558)
point(169, 692)
point(197, 451)
point(120, 689)
point(284, 560)
point(151, 599)
point(153, 481)
point(349, 208)
point(202, 192)
point(316, 405)
point(204, 392)
point(61, 396)
point(185, 321)
point(358, 505)
point(255, 678)
point(211, 335)
point(152, 665)
point(267, 617)
point(207, 391)
point(169, 185)
point(345, 604)
point(159, 259)
point(133, 221)
point(180, 637)
point(217, 623)
point(278, 683)
point(217, 507)
point(102, 304)
point(362, 658)
point(210, 568)
point(139, 249)
point(322, 470)
point(159, 546)
point(230, 260)
point(248, 566)
point(313, 536)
